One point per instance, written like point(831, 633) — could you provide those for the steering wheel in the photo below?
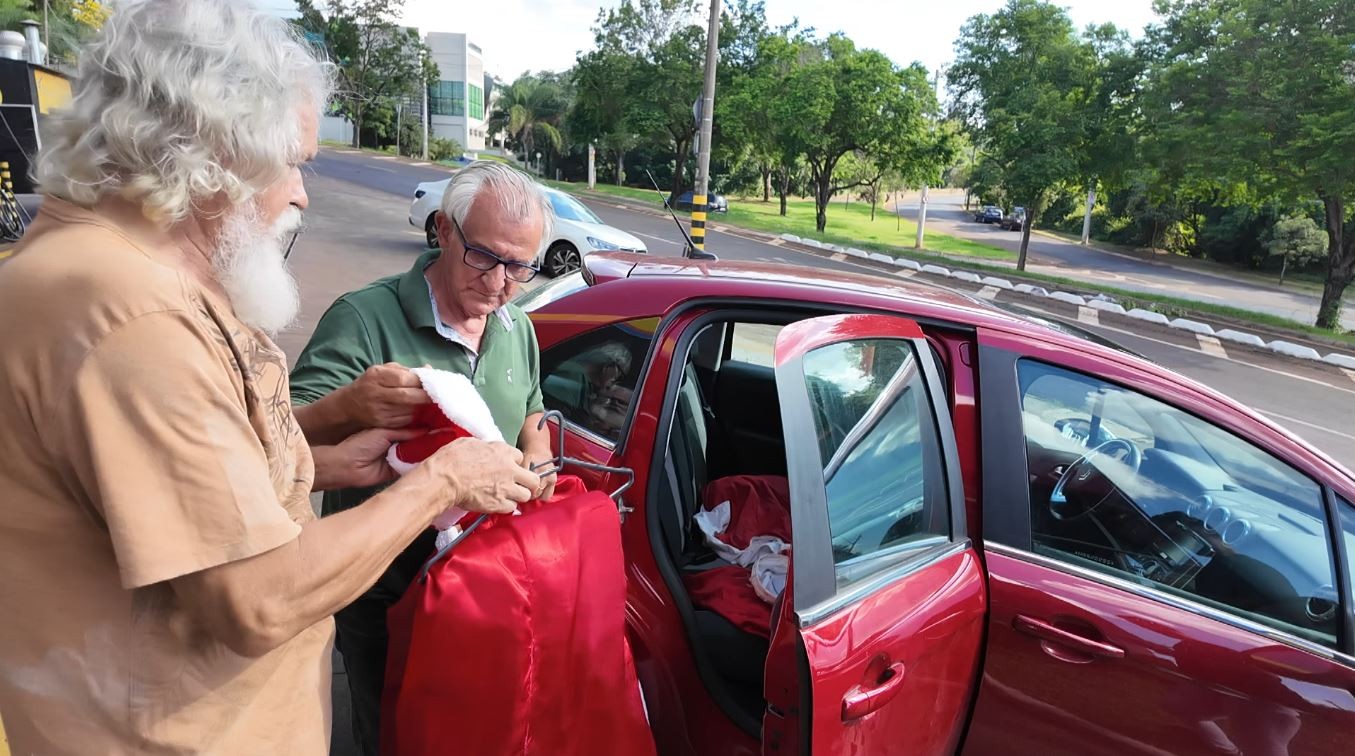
point(1081, 471)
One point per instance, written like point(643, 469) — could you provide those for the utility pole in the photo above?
point(922, 202)
point(425, 120)
point(707, 117)
point(1087, 218)
point(398, 123)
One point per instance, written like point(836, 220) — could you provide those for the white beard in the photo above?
point(250, 267)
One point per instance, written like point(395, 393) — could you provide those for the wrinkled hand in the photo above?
point(480, 476)
point(384, 397)
point(543, 460)
point(358, 461)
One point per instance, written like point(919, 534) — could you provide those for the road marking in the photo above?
point(1349, 373)
point(420, 164)
point(1192, 350)
point(1211, 346)
point(1314, 426)
point(775, 242)
point(905, 273)
point(384, 157)
point(657, 238)
point(351, 152)
point(1088, 315)
point(837, 257)
point(989, 292)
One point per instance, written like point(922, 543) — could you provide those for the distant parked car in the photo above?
point(988, 214)
point(1014, 222)
point(716, 203)
point(578, 230)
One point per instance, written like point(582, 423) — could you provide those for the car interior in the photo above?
point(1171, 502)
point(726, 420)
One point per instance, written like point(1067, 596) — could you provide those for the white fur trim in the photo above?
point(398, 465)
point(456, 396)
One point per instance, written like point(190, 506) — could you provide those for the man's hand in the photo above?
point(358, 461)
point(543, 460)
point(477, 476)
point(383, 397)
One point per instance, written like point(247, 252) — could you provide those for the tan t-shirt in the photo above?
point(145, 433)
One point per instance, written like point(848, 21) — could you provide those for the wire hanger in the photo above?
point(556, 465)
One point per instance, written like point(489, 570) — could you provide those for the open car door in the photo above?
point(876, 645)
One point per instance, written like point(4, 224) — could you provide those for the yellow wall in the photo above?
point(54, 92)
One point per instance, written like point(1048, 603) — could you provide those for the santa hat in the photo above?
point(457, 411)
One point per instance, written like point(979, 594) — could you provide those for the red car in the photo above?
point(1005, 539)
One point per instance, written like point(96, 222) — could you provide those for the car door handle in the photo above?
point(860, 700)
point(1048, 632)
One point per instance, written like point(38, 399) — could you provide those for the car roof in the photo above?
point(729, 278)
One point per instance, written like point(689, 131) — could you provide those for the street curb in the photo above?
point(1109, 311)
point(1265, 341)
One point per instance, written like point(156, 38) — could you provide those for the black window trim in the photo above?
point(1006, 507)
point(1336, 533)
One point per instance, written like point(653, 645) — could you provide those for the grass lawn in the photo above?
point(851, 226)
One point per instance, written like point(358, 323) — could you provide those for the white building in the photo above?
point(458, 106)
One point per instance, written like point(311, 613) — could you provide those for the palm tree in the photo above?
point(529, 112)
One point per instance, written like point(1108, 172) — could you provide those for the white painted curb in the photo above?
point(1148, 316)
point(1194, 326)
point(791, 238)
point(964, 275)
point(1072, 299)
point(815, 243)
point(1291, 349)
point(1250, 339)
point(1340, 360)
point(1034, 291)
point(904, 262)
point(881, 257)
point(1105, 306)
point(1000, 283)
point(936, 270)
point(854, 252)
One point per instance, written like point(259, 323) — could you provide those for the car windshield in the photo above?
point(568, 208)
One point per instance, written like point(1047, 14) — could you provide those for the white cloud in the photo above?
point(521, 35)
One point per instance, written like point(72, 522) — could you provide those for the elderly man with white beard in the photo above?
point(165, 585)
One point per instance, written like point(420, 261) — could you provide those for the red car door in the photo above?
point(877, 642)
point(1164, 572)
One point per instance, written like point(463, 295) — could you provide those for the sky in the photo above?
point(522, 35)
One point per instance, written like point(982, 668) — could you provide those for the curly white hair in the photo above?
point(179, 102)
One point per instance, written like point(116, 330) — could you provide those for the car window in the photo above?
point(591, 378)
point(1129, 485)
point(754, 343)
point(878, 441)
point(568, 208)
point(553, 290)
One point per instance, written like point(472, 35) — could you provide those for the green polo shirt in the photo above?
point(393, 320)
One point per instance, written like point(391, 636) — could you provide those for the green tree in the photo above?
point(69, 23)
point(1296, 239)
point(857, 101)
point(378, 61)
point(1026, 86)
point(530, 112)
point(1262, 93)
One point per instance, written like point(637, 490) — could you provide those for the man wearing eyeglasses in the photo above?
point(450, 311)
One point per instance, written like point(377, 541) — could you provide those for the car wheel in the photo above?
point(430, 230)
point(562, 258)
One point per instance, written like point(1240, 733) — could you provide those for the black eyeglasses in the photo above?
point(482, 259)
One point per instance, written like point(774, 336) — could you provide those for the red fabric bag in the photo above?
point(515, 643)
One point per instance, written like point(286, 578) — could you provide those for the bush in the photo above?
point(440, 148)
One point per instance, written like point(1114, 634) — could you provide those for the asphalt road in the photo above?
point(360, 226)
point(1051, 256)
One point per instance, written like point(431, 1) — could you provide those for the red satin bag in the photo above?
point(515, 643)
